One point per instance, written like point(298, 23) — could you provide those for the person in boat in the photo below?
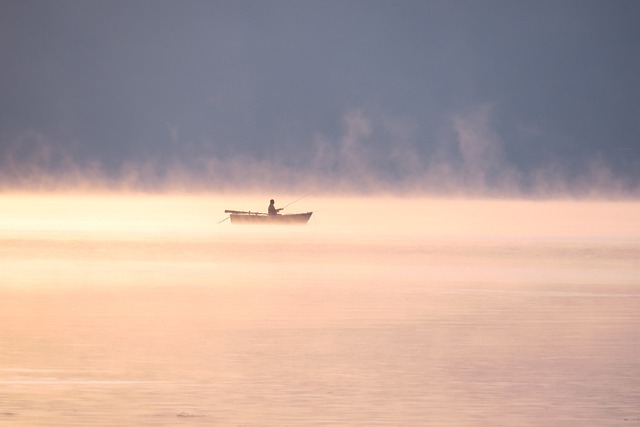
point(272, 208)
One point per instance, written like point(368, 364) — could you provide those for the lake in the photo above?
point(134, 309)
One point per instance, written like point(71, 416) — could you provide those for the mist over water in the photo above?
point(374, 154)
point(150, 309)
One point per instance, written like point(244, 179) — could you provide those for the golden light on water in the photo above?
point(134, 239)
point(198, 214)
point(134, 308)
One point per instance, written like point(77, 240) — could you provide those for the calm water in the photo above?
point(144, 311)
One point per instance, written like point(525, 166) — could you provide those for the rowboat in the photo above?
point(243, 217)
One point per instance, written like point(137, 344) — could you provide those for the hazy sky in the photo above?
point(502, 96)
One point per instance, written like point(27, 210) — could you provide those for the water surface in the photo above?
point(142, 310)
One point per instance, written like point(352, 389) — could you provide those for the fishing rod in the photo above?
point(297, 200)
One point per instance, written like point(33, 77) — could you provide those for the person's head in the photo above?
point(272, 201)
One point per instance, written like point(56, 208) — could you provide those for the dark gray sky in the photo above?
point(491, 95)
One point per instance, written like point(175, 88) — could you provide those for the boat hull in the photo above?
point(262, 219)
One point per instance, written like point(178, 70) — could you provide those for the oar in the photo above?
point(220, 222)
